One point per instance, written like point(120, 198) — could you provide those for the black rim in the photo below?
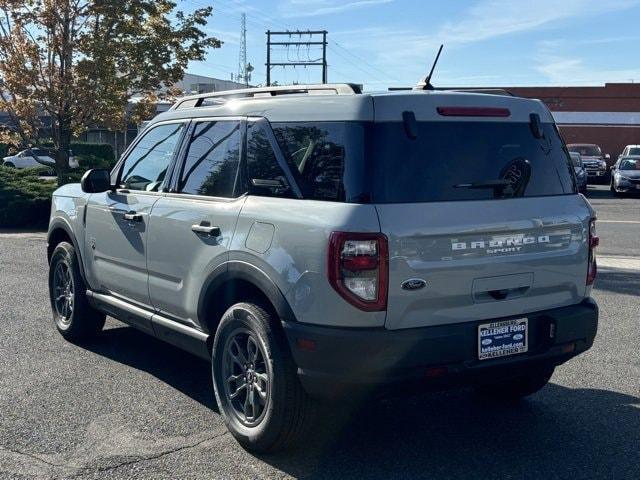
point(245, 377)
point(63, 294)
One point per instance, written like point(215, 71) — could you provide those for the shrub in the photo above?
point(103, 151)
point(25, 198)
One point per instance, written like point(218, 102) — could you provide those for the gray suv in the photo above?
point(315, 242)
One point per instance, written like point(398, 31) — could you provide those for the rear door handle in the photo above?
point(133, 217)
point(206, 230)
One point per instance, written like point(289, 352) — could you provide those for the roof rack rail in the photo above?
point(485, 90)
point(194, 101)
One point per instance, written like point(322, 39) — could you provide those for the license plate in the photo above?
point(500, 339)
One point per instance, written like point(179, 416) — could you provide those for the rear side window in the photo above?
point(213, 158)
point(326, 158)
point(451, 161)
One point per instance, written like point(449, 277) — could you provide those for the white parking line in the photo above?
point(619, 221)
point(619, 263)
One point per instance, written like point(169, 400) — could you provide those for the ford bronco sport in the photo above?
point(315, 241)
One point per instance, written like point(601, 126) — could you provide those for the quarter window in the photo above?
point(266, 178)
point(146, 165)
point(213, 158)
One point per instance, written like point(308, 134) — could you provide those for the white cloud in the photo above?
point(311, 8)
point(409, 52)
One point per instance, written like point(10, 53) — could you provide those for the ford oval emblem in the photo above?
point(486, 341)
point(414, 284)
point(518, 336)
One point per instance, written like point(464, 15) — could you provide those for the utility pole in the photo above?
point(316, 38)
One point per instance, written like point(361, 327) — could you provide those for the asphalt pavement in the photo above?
point(129, 406)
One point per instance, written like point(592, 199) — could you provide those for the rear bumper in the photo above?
point(336, 361)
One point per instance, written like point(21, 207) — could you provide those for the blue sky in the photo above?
point(383, 43)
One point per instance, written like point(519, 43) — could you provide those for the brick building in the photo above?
point(608, 115)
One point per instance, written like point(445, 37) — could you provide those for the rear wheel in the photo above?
point(74, 318)
point(9, 164)
point(516, 388)
point(256, 386)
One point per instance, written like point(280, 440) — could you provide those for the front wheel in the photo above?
point(256, 386)
point(74, 318)
point(519, 387)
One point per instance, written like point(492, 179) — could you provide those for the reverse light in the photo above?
point(358, 268)
point(594, 241)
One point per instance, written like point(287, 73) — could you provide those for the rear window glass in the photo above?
point(451, 161)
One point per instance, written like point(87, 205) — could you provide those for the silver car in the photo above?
point(625, 176)
point(315, 242)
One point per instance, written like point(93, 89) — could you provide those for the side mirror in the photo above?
point(96, 180)
point(607, 156)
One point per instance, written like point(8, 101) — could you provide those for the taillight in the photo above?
point(594, 241)
point(358, 268)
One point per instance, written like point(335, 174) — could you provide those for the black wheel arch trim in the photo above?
point(62, 224)
point(240, 270)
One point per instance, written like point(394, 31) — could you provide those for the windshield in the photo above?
point(466, 161)
point(630, 164)
point(586, 150)
point(575, 159)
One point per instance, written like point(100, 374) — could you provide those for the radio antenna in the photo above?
point(426, 83)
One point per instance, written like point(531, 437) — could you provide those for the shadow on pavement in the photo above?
point(557, 433)
point(618, 281)
point(183, 371)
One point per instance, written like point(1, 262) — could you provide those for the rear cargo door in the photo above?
point(480, 213)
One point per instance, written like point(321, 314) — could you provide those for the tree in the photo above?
point(76, 63)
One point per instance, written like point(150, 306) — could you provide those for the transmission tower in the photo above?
point(244, 68)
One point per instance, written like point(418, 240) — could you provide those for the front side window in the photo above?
point(146, 165)
point(213, 159)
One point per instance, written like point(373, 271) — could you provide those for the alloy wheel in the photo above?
point(63, 294)
point(246, 377)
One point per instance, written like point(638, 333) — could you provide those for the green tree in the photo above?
point(78, 62)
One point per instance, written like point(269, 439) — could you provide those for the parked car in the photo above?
point(581, 174)
point(594, 161)
point(27, 158)
point(630, 151)
point(625, 176)
point(314, 242)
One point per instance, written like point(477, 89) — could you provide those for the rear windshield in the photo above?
point(634, 151)
point(586, 150)
point(449, 161)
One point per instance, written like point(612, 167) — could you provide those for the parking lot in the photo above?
point(129, 406)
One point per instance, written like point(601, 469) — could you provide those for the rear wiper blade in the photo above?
point(495, 184)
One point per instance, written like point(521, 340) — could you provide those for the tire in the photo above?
point(516, 388)
point(9, 164)
point(281, 417)
point(74, 318)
